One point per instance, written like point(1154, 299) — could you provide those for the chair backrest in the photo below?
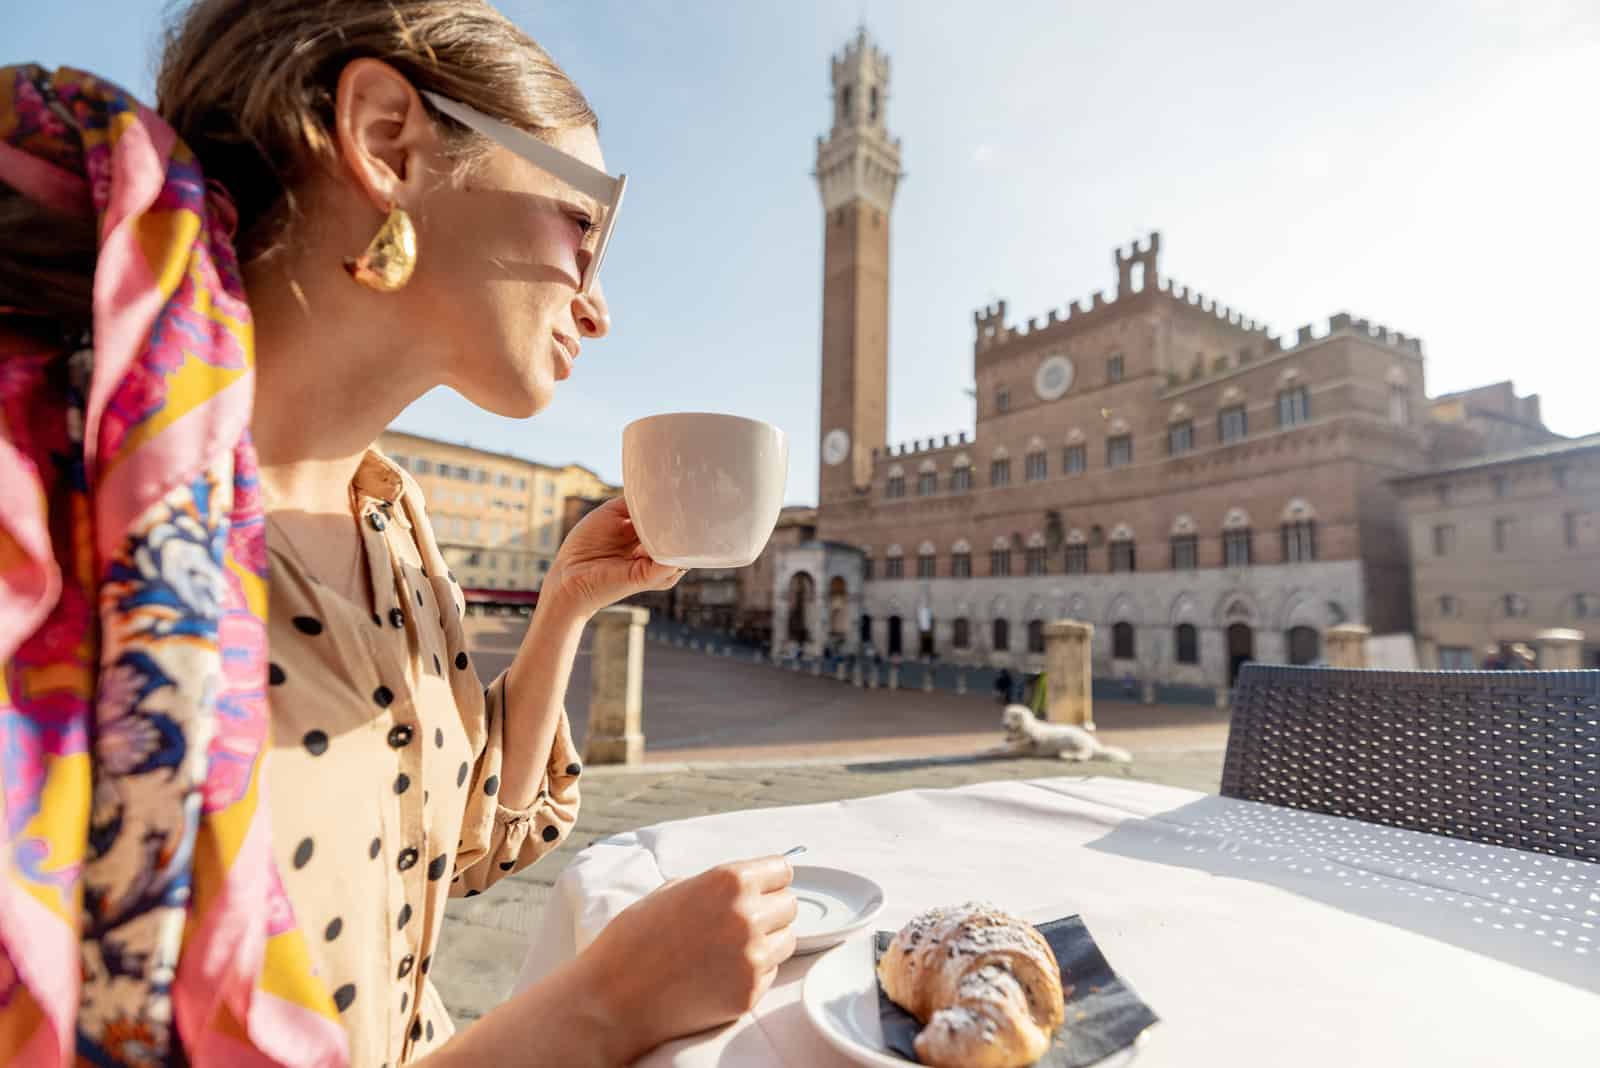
point(1508, 758)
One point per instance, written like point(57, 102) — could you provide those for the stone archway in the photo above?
point(802, 600)
point(1241, 649)
point(838, 609)
point(1305, 645)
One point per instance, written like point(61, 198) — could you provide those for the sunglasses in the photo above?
point(605, 190)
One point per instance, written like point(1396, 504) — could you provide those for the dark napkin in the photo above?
point(1103, 1013)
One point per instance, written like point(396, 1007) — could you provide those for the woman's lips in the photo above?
point(566, 355)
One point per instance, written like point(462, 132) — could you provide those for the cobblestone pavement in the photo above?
point(699, 707)
point(484, 938)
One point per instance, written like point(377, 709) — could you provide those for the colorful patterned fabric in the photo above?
point(142, 920)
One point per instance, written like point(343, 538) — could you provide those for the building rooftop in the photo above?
point(1543, 451)
point(513, 457)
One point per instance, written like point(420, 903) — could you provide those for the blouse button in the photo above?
point(397, 617)
point(408, 859)
point(377, 521)
point(400, 736)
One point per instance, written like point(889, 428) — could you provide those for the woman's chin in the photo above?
point(516, 399)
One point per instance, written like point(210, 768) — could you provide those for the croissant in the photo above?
point(985, 986)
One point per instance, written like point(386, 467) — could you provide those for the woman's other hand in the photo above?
point(602, 562)
point(695, 954)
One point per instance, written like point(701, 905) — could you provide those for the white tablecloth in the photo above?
point(1260, 935)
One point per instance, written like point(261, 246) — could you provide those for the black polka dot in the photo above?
point(302, 853)
point(416, 1031)
point(473, 893)
point(402, 783)
point(550, 834)
point(574, 769)
point(397, 618)
point(461, 661)
point(307, 625)
point(426, 962)
point(344, 996)
point(438, 668)
point(405, 999)
point(461, 774)
point(405, 916)
point(335, 925)
point(377, 620)
point(452, 575)
point(430, 1031)
point(372, 850)
point(438, 737)
point(437, 865)
point(383, 696)
point(407, 859)
point(425, 796)
point(316, 742)
point(405, 965)
point(419, 598)
point(507, 865)
point(275, 675)
point(491, 785)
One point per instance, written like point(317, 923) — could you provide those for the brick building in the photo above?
point(1504, 548)
point(1151, 461)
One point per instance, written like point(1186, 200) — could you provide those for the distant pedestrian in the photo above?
point(1003, 684)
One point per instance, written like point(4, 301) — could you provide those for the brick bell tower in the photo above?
point(858, 169)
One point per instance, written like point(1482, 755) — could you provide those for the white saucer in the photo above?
point(834, 905)
point(841, 999)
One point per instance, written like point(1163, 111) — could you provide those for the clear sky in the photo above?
point(1431, 166)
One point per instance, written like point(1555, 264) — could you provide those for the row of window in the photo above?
point(1294, 408)
point(1500, 485)
point(1298, 545)
point(1515, 606)
point(1304, 643)
point(1503, 533)
point(513, 563)
point(418, 465)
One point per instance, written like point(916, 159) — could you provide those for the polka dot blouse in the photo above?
point(385, 769)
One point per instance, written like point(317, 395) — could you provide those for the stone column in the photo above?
point(1560, 650)
point(894, 676)
point(1067, 659)
point(616, 695)
point(1346, 645)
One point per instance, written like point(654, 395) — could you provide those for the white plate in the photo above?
point(841, 998)
point(834, 905)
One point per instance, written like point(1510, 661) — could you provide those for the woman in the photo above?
point(383, 249)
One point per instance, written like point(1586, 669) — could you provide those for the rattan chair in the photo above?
point(1505, 758)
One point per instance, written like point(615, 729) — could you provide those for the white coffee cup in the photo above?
point(704, 490)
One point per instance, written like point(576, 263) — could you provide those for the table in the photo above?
point(1261, 935)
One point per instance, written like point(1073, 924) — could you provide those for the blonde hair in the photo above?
point(249, 85)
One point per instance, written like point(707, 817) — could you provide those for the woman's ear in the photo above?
point(383, 133)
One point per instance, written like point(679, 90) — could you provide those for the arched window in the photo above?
point(1122, 641)
point(1035, 635)
point(961, 634)
point(927, 561)
point(1001, 632)
point(1187, 639)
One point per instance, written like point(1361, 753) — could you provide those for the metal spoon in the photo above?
point(795, 852)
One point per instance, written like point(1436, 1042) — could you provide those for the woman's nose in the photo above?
point(590, 312)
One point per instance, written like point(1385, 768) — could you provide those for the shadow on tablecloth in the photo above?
point(1535, 912)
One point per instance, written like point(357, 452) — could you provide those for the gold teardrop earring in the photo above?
point(390, 257)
